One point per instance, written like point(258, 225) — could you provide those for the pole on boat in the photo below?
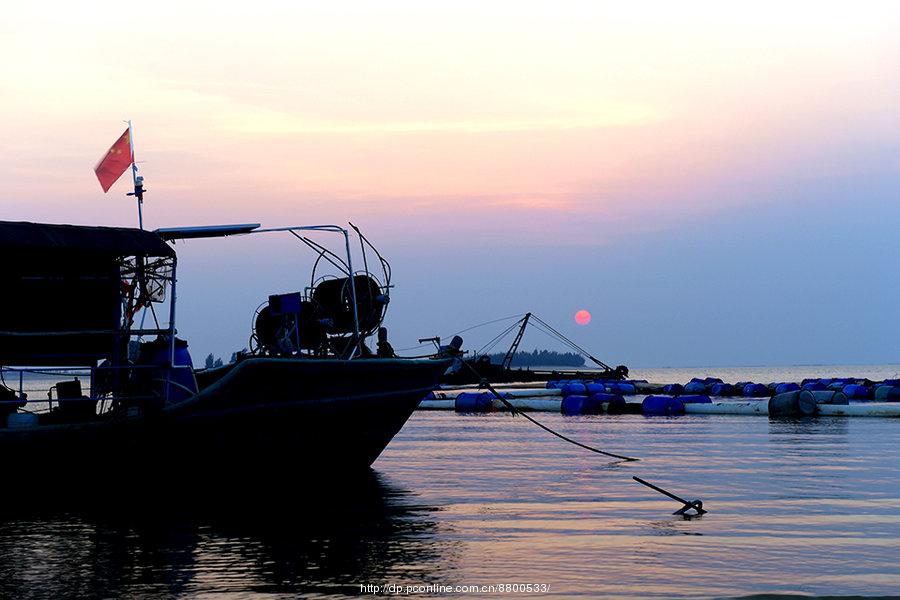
point(172, 326)
point(356, 339)
point(138, 180)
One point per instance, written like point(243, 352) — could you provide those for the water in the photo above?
point(796, 506)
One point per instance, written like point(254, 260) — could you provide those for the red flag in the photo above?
point(114, 162)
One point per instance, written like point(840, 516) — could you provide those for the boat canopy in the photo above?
point(23, 237)
point(64, 288)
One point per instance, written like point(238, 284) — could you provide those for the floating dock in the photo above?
point(846, 397)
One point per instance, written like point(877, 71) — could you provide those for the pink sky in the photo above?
point(519, 123)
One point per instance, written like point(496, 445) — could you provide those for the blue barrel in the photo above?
point(888, 393)
point(627, 388)
point(783, 388)
point(615, 404)
point(695, 387)
point(673, 389)
point(856, 391)
point(891, 382)
point(580, 405)
point(552, 385)
point(722, 389)
point(756, 390)
point(712, 381)
point(662, 405)
point(571, 389)
point(594, 388)
point(473, 402)
point(695, 399)
point(814, 386)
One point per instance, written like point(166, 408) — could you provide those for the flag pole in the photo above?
point(138, 181)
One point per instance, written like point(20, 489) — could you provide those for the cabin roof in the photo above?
point(23, 236)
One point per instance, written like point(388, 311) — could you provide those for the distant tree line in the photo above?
point(542, 358)
point(212, 362)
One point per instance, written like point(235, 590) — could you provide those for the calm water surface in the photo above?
point(796, 506)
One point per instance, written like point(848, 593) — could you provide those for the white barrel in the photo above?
point(643, 387)
point(861, 409)
point(437, 404)
point(752, 407)
point(518, 393)
point(531, 404)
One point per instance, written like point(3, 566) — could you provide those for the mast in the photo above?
point(138, 180)
point(507, 360)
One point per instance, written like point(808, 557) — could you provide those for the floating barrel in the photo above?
point(756, 390)
point(662, 405)
point(615, 404)
point(571, 389)
point(695, 387)
point(786, 404)
point(580, 405)
point(889, 393)
point(673, 389)
point(474, 402)
point(722, 389)
point(695, 399)
point(594, 388)
point(891, 382)
point(782, 388)
point(814, 386)
point(712, 380)
point(621, 387)
point(854, 390)
point(809, 400)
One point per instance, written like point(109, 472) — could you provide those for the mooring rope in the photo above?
point(516, 411)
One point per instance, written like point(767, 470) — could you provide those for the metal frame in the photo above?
point(171, 234)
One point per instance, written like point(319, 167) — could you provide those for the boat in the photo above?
point(309, 396)
point(479, 368)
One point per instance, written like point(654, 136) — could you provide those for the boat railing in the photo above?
point(31, 381)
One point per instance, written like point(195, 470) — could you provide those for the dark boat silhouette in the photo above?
point(309, 396)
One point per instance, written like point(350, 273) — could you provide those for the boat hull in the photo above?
point(262, 417)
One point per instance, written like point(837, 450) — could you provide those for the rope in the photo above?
point(562, 337)
point(470, 328)
point(516, 411)
point(490, 345)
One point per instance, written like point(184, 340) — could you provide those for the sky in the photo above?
point(716, 183)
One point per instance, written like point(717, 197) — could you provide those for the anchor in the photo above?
point(697, 505)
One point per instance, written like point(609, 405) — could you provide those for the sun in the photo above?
point(582, 317)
